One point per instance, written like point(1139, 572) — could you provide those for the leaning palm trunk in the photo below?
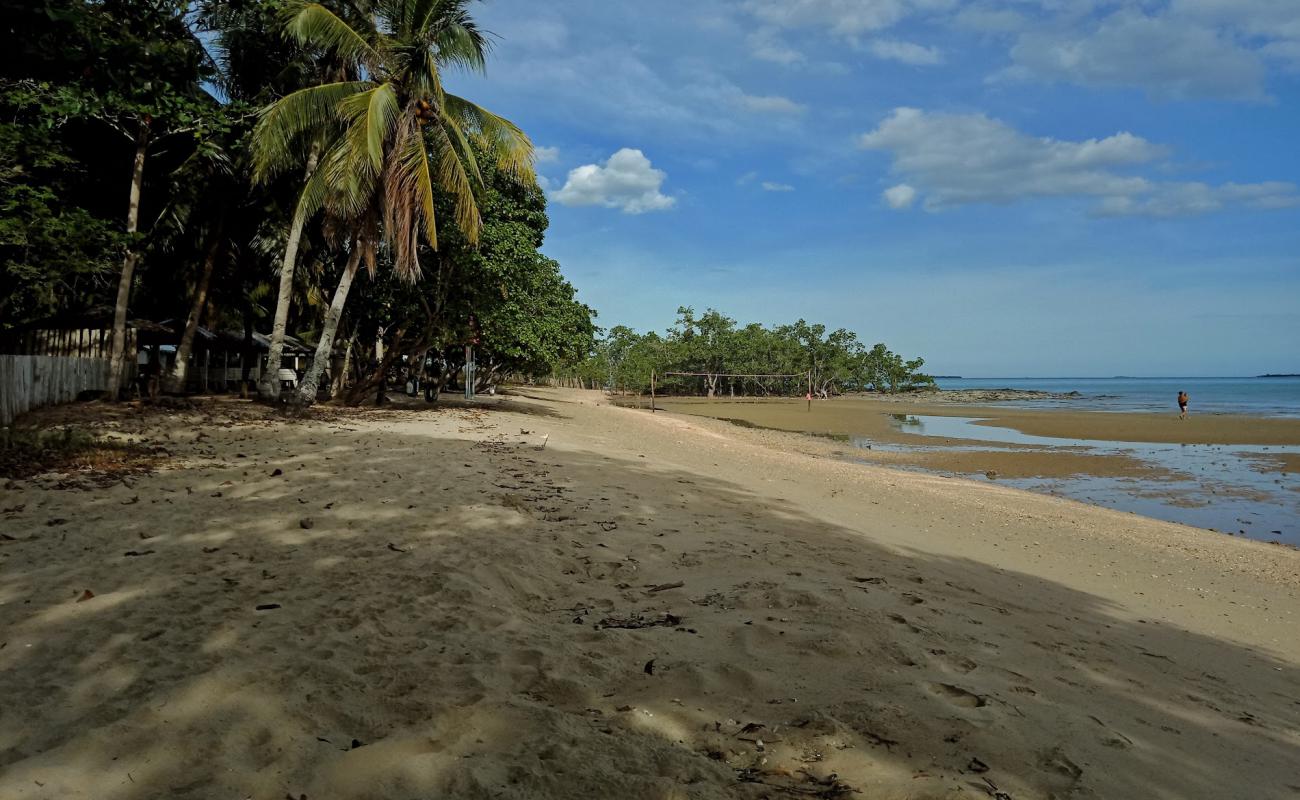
point(270, 384)
point(180, 370)
point(325, 347)
point(341, 379)
point(117, 358)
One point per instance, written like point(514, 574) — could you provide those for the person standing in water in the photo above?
point(1182, 405)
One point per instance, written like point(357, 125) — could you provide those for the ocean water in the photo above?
point(1223, 488)
point(1271, 397)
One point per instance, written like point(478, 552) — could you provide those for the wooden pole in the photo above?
point(810, 390)
point(652, 391)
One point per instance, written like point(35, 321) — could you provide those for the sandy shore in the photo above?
point(871, 417)
point(646, 607)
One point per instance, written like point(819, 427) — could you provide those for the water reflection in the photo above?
point(1220, 487)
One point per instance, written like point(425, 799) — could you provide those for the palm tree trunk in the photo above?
point(117, 357)
point(176, 380)
point(270, 385)
point(325, 347)
point(340, 380)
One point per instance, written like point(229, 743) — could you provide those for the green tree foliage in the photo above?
point(152, 105)
point(53, 250)
point(713, 346)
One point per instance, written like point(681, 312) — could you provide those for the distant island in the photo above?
point(946, 377)
point(1280, 375)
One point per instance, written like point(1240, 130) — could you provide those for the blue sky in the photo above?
point(1006, 187)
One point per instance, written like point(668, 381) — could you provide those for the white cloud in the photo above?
point(906, 52)
point(960, 159)
point(546, 155)
point(1185, 198)
point(843, 17)
point(766, 45)
point(1169, 56)
point(900, 196)
point(747, 178)
point(770, 186)
point(773, 104)
point(626, 181)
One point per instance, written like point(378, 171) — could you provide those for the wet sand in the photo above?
point(873, 419)
point(550, 598)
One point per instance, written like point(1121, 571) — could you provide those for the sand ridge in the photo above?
point(451, 622)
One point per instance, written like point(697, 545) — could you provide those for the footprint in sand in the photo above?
point(957, 695)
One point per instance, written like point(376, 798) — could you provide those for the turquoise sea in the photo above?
point(1272, 397)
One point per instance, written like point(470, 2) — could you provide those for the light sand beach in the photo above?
point(552, 597)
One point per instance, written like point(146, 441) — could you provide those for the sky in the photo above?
point(1004, 187)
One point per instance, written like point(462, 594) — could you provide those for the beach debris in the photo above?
point(211, 549)
point(871, 579)
point(396, 549)
point(545, 439)
point(976, 765)
point(56, 521)
point(268, 606)
point(138, 553)
point(357, 743)
point(994, 791)
point(828, 788)
point(649, 668)
point(607, 525)
point(663, 587)
point(306, 523)
point(86, 595)
point(991, 474)
point(637, 621)
point(277, 473)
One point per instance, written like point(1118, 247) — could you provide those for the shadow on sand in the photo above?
point(432, 628)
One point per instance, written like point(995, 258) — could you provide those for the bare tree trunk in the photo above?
point(270, 384)
point(176, 380)
point(340, 380)
point(325, 347)
point(117, 358)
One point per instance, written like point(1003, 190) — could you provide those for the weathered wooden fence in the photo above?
point(28, 382)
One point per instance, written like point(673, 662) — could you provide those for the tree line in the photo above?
point(276, 166)
point(725, 358)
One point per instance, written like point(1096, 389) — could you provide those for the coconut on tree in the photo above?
point(382, 140)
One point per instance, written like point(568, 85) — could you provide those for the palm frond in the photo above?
point(408, 201)
point(458, 42)
point(509, 146)
point(370, 118)
point(463, 148)
point(314, 25)
point(453, 178)
point(278, 131)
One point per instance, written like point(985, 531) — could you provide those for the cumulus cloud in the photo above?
point(961, 159)
point(900, 196)
point(905, 52)
point(771, 186)
point(626, 181)
point(546, 155)
point(773, 104)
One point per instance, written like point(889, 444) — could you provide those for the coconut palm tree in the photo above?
point(391, 134)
